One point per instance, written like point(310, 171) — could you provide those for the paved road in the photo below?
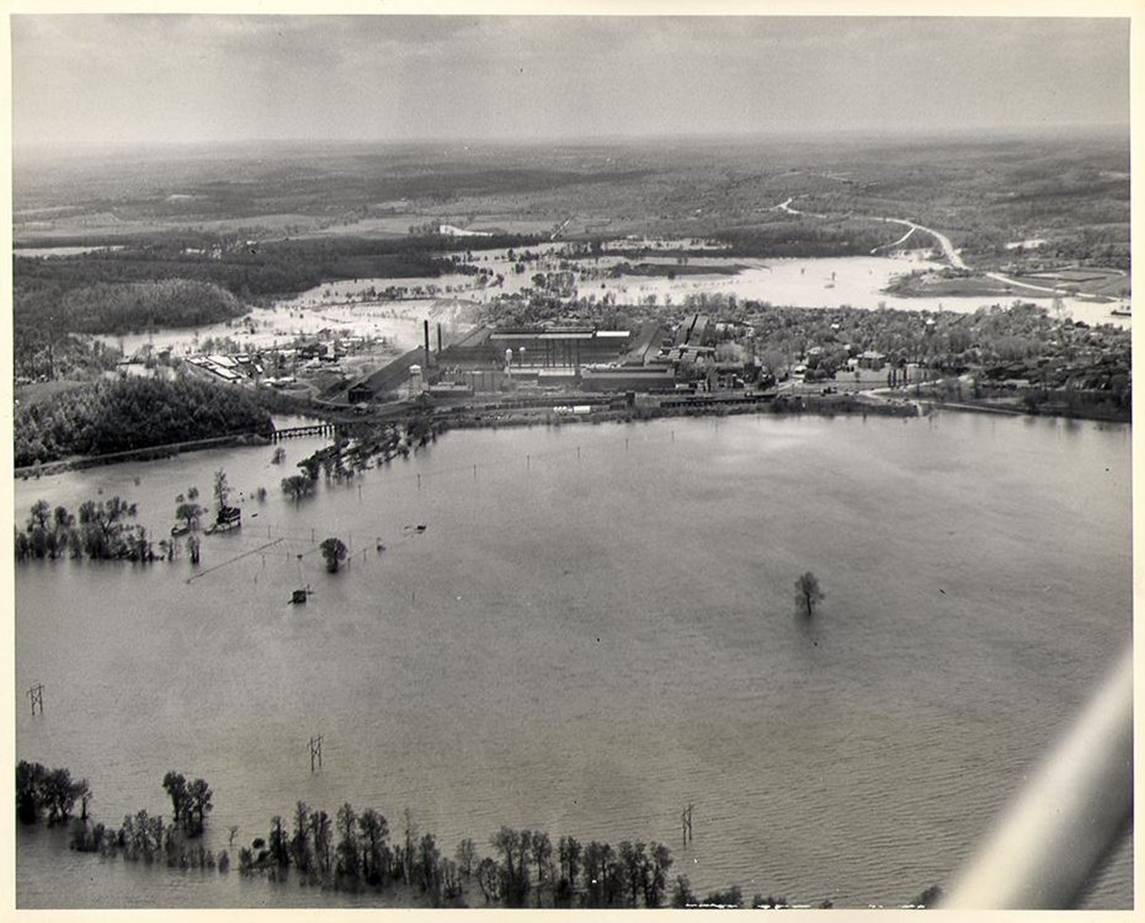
point(949, 253)
point(948, 250)
point(786, 207)
point(997, 276)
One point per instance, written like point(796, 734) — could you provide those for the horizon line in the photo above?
point(787, 134)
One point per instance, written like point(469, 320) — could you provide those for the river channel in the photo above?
point(595, 628)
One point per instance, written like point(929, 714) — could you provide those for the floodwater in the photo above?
point(60, 251)
point(830, 282)
point(596, 628)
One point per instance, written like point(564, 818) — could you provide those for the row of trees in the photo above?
point(340, 461)
point(100, 531)
point(354, 851)
point(358, 851)
point(148, 839)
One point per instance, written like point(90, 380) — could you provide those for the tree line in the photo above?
point(100, 530)
point(264, 268)
point(359, 852)
point(124, 307)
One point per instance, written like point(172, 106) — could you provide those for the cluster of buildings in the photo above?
point(651, 358)
point(230, 368)
point(277, 367)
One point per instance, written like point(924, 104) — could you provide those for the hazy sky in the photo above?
point(229, 78)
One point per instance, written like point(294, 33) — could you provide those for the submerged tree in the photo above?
point(199, 794)
point(190, 802)
point(489, 880)
point(349, 860)
point(929, 897)
point(334, 552)
point(375, 852)
point(467, 856)
point(297, 486)
point(807, 593)
point(58, 793)
point(189, 513)
point(175, 784)
point(300, 842)
point(682, 895)
point(222, 489)
point(29, 790)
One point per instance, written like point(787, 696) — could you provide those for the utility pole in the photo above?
point(315, 751)
point(36, 694)
point(51, 344)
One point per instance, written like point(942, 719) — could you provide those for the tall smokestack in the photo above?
point(439, 339)
point(426, 328)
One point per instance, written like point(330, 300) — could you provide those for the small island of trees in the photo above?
point(334, 552)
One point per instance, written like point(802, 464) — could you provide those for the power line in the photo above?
point(36, 694)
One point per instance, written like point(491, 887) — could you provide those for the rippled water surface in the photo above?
point(586, 644)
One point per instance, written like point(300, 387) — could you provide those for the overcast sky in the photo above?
point(230, 78)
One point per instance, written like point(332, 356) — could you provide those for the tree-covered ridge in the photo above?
point(133, 413)
point(274, 268)
point(109, 307)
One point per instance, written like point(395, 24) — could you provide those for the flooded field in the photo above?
point(399, 322)
point(828, 282)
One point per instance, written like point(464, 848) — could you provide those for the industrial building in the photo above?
point(628, 378)
point(542, 347)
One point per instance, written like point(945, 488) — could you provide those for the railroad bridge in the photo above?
point(321, 428)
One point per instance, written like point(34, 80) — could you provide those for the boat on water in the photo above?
point(1121, 312)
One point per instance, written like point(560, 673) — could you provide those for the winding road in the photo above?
point(948, 252)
